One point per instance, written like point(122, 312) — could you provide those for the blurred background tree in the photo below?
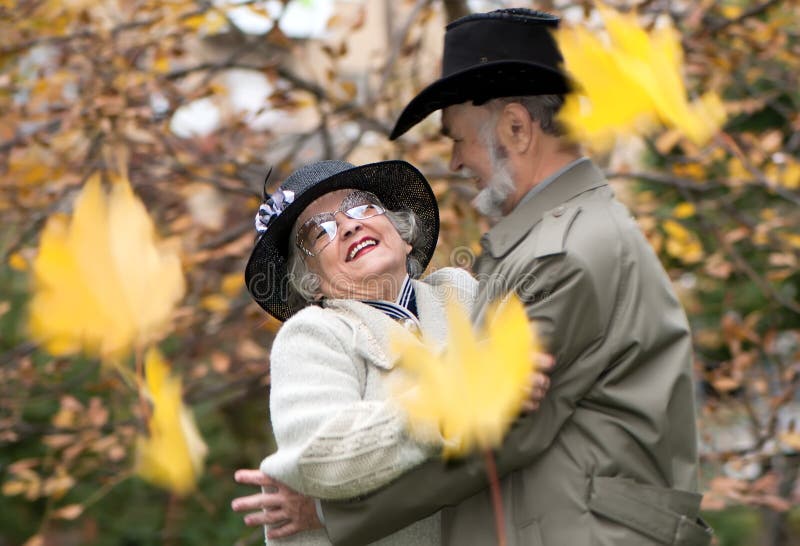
point(193, 100)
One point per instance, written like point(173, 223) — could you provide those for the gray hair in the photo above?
point(541, 108)
point(304, 284)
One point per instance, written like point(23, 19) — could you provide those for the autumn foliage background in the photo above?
point(185, 103)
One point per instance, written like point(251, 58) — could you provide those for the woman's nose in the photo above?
point(346, 225)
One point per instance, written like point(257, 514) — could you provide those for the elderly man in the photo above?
point(610, 458)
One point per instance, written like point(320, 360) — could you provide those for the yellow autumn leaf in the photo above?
point(691, 170)
point(232, 284)
point(69, 512)
point(24, 481)
point(58, 484)
point(790, 177)
point(791, 238)
point(161, 64)
point(216, 303)
point(790, 438)
point(684, 210)
point(210, 22)
point(17, 262)
point(171, 454)
point(737, 170)
point(472, 392)
point(103, 282)
point(731, 12)
point(629, 82)
point(682, 243)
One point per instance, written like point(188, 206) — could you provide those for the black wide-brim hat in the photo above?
point(503, 53)
point(397, 184)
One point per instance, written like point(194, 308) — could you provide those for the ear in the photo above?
point(515, 127)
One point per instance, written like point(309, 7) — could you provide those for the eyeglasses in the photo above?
point(317, 232)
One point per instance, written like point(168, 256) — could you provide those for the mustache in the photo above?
point(466, 172)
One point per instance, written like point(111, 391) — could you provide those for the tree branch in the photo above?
point(455, 9)
point(752, 12)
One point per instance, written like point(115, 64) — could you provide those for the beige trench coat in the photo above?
point(610, 458)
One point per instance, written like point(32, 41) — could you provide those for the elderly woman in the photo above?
point(337, 259)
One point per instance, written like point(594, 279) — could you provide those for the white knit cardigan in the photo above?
point(337, 434)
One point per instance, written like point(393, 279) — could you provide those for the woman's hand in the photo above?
point(282, 509)
point(539, 381)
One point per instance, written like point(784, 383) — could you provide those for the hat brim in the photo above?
point(397, 184)
point(480, 84)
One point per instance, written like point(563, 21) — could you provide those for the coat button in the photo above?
point(559, 210)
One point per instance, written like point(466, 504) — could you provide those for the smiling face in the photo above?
point(365, 260)
point(479, 155)
point(461, 123)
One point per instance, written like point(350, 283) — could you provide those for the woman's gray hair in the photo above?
point(304, 284)
point(541, 108)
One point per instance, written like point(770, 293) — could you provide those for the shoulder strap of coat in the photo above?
point(553, 230)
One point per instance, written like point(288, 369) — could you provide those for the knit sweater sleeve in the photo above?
point(332, 444)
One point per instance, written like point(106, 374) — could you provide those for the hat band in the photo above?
point(272, 208)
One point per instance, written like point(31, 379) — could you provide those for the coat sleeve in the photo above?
point(331, 443)
point(559, 290)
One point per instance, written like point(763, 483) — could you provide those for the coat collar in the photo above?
point(375, 330)
point(505, 235)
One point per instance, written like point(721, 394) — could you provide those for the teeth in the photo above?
point(359, 246)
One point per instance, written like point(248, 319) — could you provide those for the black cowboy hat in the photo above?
point(503, 53)
point(397, 184)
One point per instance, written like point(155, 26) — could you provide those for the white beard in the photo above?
point(499, 188)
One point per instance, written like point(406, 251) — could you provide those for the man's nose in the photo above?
point(455, 160)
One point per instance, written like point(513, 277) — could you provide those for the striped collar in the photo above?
point(405, 308)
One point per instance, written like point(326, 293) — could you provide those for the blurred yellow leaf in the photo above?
point(103, 282)
point(348, 89)
point(210, 22)
point(232, 284)
point(471, 393)
point(14, 487)
point(791, 238)
point(171, 455)
point(25, 481)
point(692, 170)
point(684, 210)
point(58, 484)
point(35, 540)
point(790, 177)
point(737, 170)
point(726, 384)
point(791, 438)
point(717, 266)
point(630, 82)
point(215, 303)
point(17, 262)
point(68, 413)
point(161, 64)
point(731, 12)
point(33, 165)
point(682, 243)
point(768, 214)
point(71, 511)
